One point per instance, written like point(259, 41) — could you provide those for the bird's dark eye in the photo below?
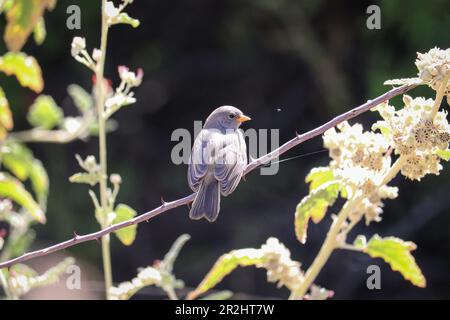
point(231, 116)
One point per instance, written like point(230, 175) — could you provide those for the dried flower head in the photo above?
point(414, 135)
point(280, 267)
point(434, 66)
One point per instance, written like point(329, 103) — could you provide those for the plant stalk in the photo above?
point(439, 96)
point(101, 97)
point(331, 243)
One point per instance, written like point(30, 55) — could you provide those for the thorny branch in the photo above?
point(166, 206)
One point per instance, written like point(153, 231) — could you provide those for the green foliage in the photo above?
point(124, 18)
point(128, 234)
point(220, 295)
point(160, 275)
point(225, 265)
point(12, 188)
point(39, 31)
point(45, 113)
point(318, 176)
point(18, 159)
point(25, 68)
point(22, 278)
point(6, 120)
point(81, 98)
point(444, 154)
point(397, 253)
point(22, 17)
point(91, 176)
point(315, 205)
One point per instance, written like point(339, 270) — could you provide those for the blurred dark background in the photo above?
point(311, 59)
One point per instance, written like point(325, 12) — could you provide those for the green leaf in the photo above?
point(6, 120)
point(444, 154)
point(45, 113)
point(124, 18)
point(39, 32)
point(383, 127)
point(39, 180)
point(20, 161)
point(225, 265)
point(314, 206)
point(13, 189)
point(24, 68)
point(221, 295)
point(128, 234)
point(81, 98)
point(21, 244)
point(396, 253)
point(83, 177)
point(318, 176)
point(22, 269)
point(22, 17)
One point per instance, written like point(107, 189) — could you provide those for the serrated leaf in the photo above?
point(81, 98)
point(128, 234)
point(225, 265)
point(6, 119)
point(39, 31)
point(22, 18)
point(314, 206)
point(444, 154)
point(45, 113)
point(24, 68)
point(318, 176)
point(397, 253)
point(124, 18)
point(12, 188)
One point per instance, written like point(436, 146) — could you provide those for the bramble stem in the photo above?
point(101, 96)
point(254, 164)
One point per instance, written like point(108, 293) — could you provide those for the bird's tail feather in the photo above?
point(207, 202)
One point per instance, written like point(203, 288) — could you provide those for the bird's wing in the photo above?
point(198, 162)
point(231, 161)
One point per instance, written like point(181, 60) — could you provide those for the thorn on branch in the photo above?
point(163, 203)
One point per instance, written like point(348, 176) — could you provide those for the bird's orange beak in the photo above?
point(243, 118)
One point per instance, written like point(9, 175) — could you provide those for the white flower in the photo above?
point(129, 77)
point(110, 10)
point(78, 45)
point(96, 54)
point(119, 100)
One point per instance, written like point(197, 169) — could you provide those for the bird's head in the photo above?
point(226, 117)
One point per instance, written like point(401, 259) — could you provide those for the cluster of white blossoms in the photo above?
point(360, 160)
point(123, 95)
point(415, 135)
point(434, 67)
point(79, 52)
point(280, 268)
point(146, 277)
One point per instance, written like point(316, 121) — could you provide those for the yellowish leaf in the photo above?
point(22, 18)
point(25, 68)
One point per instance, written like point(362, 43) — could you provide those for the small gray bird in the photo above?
point(217, 162)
